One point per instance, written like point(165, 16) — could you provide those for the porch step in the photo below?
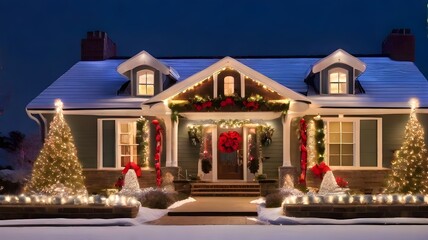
point(226, 189)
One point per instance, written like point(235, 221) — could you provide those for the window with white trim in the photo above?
point(146, 83)
point(353, 142)
point(341, 143)
point(126, 143)
point(229, 86)
point(337, 81)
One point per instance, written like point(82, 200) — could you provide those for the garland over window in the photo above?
point(222, 103)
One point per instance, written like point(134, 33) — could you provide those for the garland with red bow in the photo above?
point(229, 141)
point(158, 152)
point(303, 152)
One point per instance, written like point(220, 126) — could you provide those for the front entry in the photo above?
point(230, 164)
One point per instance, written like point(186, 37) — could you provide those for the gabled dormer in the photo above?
point(147, 76)
point(336, 74)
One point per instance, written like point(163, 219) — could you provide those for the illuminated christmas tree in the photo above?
point(57, 166)
point(409, 170)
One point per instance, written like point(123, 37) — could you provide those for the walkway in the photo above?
point(213, 211)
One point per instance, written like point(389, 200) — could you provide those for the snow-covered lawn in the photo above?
point(101, 229)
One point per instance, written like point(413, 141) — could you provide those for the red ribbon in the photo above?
point(158, 152)
point(303, 152)
point(133, 166)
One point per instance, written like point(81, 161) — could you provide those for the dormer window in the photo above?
point(229, 86)
point(146, 83)
point(337, 79)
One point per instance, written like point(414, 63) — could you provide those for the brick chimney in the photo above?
point(400, 45)
point(97, 46)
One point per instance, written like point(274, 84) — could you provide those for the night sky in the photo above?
point(40, 40)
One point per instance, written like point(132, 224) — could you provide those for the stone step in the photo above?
point(226, 194)
point(226, 189)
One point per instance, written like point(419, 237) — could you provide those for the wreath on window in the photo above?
point(229, 141)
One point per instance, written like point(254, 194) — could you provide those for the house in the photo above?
point(219, 115)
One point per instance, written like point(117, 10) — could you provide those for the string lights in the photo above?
point(57, 167)
point(409, 168)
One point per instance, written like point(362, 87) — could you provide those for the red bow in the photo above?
point(133, 166)
point(320, 169)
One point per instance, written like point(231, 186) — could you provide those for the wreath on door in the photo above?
point(229, 141)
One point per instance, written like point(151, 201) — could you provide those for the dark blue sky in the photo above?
point(40, 40)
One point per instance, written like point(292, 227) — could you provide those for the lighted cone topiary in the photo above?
point(57, 163)
point(131, 187)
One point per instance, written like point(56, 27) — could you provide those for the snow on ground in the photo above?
point(123, 229)
point(216, 232)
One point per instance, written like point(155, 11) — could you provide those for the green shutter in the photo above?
point(368, 143)
point(109, 143)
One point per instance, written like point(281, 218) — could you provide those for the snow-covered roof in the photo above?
point(93, 84)
point(282, 89)
point(144, 58)
point(339, 56)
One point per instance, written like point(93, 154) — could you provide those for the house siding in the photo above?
point(393, 133)
point(274, 152)
point(109, 143)
point(368, 143)
point(188, 155)
point(84, 132)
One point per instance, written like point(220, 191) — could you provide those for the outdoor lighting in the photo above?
point(414, 103)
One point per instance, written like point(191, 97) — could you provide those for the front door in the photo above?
point(230, 164)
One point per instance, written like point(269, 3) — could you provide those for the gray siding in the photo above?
point(188, 155)
point(368, 143)
point(393, 133)
point(274, 152)
point(109, 143)
point(84, 131)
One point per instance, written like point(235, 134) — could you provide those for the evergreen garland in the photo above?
point(319, 138)
point(142, 138)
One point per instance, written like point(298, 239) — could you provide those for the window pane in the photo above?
point(125, 160)
point(334, 160)
point(142, 90)
point(342, 77)
point(142, 79)
point(229, 86)
point(347, 160)
point(347, 126)
point(347, 138)
point(334, 127)
point(347, 149)
point(342, 88)
point(124, 139)
point(150, 78)
point(150, 90)
point(124, 128)
point(334, 138)
point(334, 88)
point(125, 150)
point(334, 149)
point(334, 77)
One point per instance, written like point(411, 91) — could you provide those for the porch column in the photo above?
point(286, 127)
point(174, 160)
point(168, 139)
